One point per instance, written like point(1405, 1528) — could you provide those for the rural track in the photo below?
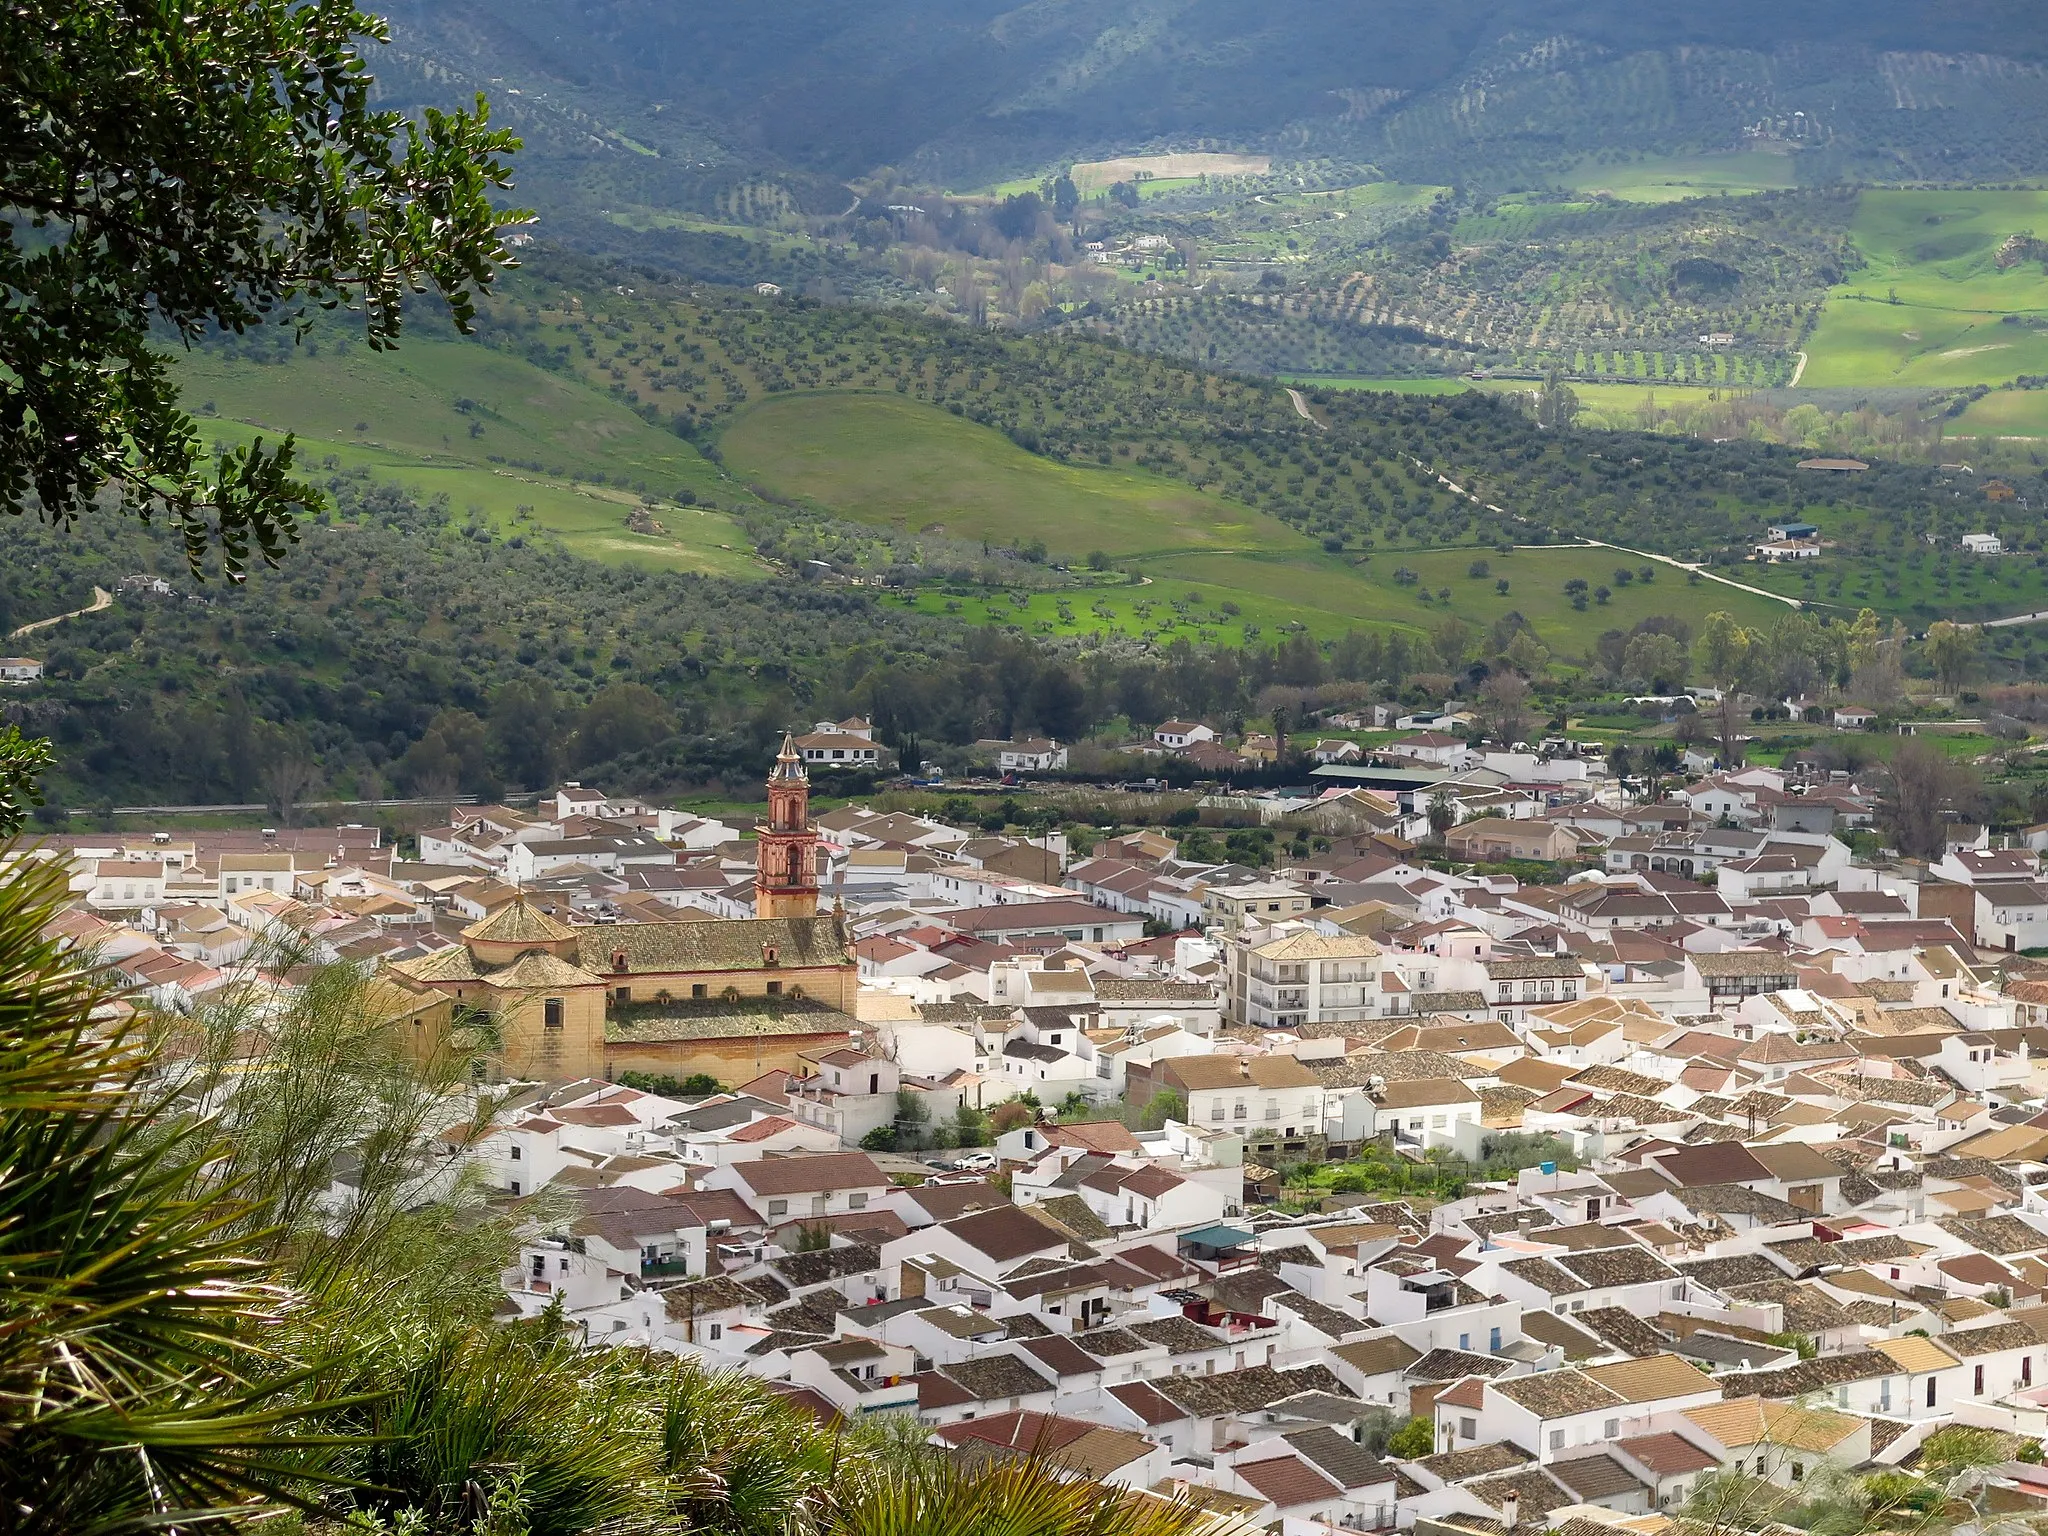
point(101, 599)
point(1583, 542)
point(1302, 410)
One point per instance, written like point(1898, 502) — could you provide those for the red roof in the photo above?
point(760, 1130)
point(1287, 1481)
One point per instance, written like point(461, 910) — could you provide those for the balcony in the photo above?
point(664, 1269)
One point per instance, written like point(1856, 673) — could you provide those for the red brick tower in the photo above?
point(786, 850)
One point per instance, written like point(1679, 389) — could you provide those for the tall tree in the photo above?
point(1927, 787)
point(1952, 651)
point(1725, 651)
point(209, 163)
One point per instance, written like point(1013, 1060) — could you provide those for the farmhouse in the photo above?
point(19, 669)
point(1983, 544)
point(1786, 549)
point(1176, 734)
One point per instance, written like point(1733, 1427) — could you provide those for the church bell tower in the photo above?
point(786, 847)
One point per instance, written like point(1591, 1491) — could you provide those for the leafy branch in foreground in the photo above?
point(196, 165)
point(23, 762)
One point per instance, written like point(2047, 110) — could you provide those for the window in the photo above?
point(698, 989)
point(622, 995)
point(1216, 1109)
point(551, 1013)
point(1798, 1471)
point(1272, 1109)
point(1468, 1429)
point(540, 1265)
point(775, 989)
point(1464, 1341)
point(1977, 1384)
point(778, 1207)
point(1613, 1430)
point(1930, 1391)
point(515, 1152)
point(1557, 1439)
point(1493, 1340)
point(515, 1186)
point(716, 1332)
point(858, 1202)
point(1237, 1110)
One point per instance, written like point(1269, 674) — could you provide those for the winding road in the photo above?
point(101, 598)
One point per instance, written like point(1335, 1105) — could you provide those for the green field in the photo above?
point(2004, 413)
point(434, 414)
point(891, 462)
point(1928, 304)
point(1674, 178)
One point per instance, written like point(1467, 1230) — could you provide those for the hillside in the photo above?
point(991, 472)
point(684, 104)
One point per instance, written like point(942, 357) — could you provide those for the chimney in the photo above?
point(1511, 1511)
point(1244, 1067)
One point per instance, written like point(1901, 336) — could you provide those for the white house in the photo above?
point(832, 747)
point(1551, 1412)
point(2012, 915)
point(121, 883)
point(1031, 755)
point(1177, 734)
point(19, 669)
point(1983, 544)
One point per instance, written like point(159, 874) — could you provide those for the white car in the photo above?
point(978, 1162)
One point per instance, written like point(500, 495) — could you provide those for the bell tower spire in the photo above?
point(786, 845)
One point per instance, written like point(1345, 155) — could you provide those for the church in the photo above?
point(733, 999)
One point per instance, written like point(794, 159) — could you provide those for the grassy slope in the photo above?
point(415, 434)
point(1935, 251)
point(1674, 178)
point(892, 462)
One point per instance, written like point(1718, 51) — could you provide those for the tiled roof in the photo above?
point(1257, 1386)
point(1545, 1275)
point(1995, 1235)
point(989, 1378)
point(1985, 1340)
point(1815, 1375)
point(1615, 1266)
point(1454, 1364)
point(813, 1174)
point(1474, 1461)
point(1807, 1310)
point(1668, 1454)
point(1287, 1481)
point(1338, 1457)
point(1736, 1269)
point(1651, 1379)
point(1554, 1394)
point(729, 945)
point(1596, 1477)
point(1624, 1330)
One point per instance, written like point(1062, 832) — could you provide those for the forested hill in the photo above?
point(400, 649)
point(662, 103)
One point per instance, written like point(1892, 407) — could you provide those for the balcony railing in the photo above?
point(661, 1269)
